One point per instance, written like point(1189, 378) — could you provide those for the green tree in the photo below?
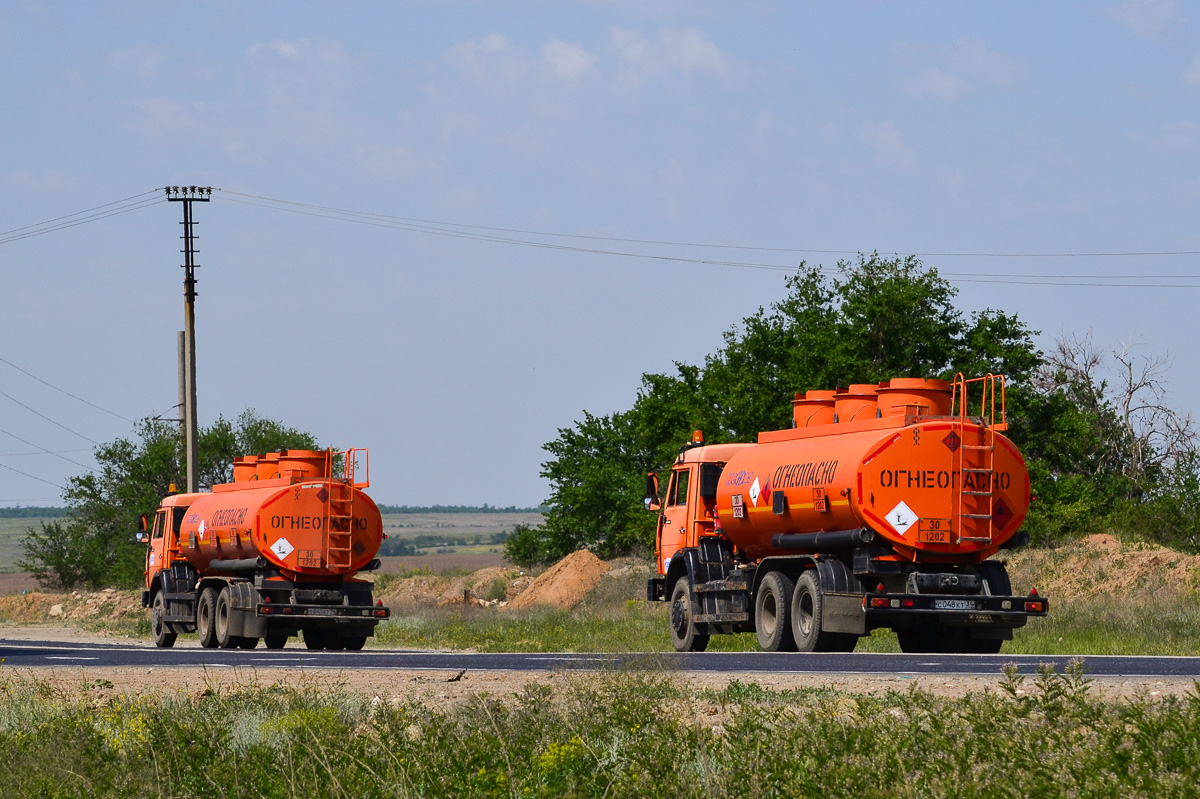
point(94, 545)
point(874, 319)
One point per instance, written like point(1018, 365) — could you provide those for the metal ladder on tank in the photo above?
point(976, 505)
point(339, 513)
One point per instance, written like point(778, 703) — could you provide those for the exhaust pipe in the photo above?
point(825, 540)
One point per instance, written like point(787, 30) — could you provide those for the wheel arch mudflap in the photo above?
point(843, 593)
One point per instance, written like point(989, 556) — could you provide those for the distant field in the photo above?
point(451, 533)
point(12, 533)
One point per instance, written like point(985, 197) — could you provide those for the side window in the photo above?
point(177, 520)
point(679, 487)
point(158, 525)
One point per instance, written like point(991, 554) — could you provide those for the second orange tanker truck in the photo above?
point(884, 506)
point(273, 554)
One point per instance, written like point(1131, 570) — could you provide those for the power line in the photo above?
point(414, 220)
point(31, 454)
point(48, 452)
point(68, 393)
point(465, 231)
point(48, 419)
point(105, 211)
point(31, 477)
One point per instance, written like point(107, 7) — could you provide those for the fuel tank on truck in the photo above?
point(933, 485)
point(285, 509)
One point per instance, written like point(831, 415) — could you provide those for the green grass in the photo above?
point(608, 621)
point(621, 734)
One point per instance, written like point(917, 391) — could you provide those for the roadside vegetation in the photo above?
point(621, 734)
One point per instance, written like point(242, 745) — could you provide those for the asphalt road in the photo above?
point(43, 654)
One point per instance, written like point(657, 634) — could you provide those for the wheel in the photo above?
point(314, 638)
point(246, 642)
point(844, 642)
point(996, 576)
point(808, 607)
point(773, 615)
point(919, 638)
point(684, 633)
point(163, 635)
point(983, 646)
point(275, 641)
point(221, 621)
point(206, 612)
point(355, 642)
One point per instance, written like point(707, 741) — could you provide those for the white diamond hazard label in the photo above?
point(901, 517)
point(282, 548)
point(754, 490)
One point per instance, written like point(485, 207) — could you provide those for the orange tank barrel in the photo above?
point(267, 467)
point(245, 468)
point(856, 403)
point(923, 487)
point(285, 522)
point(305, 464)
point(813, 408)
point(914, 396)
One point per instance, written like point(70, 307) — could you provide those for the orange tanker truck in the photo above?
point(271, 555)
point(884, 506)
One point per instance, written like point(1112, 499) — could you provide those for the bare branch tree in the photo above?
point(1143, 435)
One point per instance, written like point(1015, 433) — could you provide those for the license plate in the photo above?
point(322, 612)
point(953, 604)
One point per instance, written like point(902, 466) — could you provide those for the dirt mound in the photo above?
point(1101, 565)
point(565, 583)
point(38, 606)
point(494, 585)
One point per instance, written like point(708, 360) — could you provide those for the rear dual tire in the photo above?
point(807, 614)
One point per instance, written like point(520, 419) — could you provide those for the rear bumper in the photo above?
point(332, 613)
point(955, 610)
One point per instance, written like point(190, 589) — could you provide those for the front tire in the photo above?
point(206, 612)
point(772, 613)
point(163, 635)
point(685, 634)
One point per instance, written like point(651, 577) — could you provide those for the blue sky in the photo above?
point(904, 127)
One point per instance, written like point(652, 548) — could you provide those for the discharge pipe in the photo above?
point(825, 540)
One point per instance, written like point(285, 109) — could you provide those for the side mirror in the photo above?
point(652, 501)
point(143, 523)
point(143, 538)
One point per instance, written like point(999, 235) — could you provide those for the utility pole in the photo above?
point(187, 195)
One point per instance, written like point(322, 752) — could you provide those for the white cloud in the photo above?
point(491, 59)
point(948, 73)
point(1192, 76)
point(300, 51)
point(141, 58)
point(686, 52)
point(568, 61)
point(890, 150)
point(1177, 138)
point(49, 181)
point(1145, 17)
